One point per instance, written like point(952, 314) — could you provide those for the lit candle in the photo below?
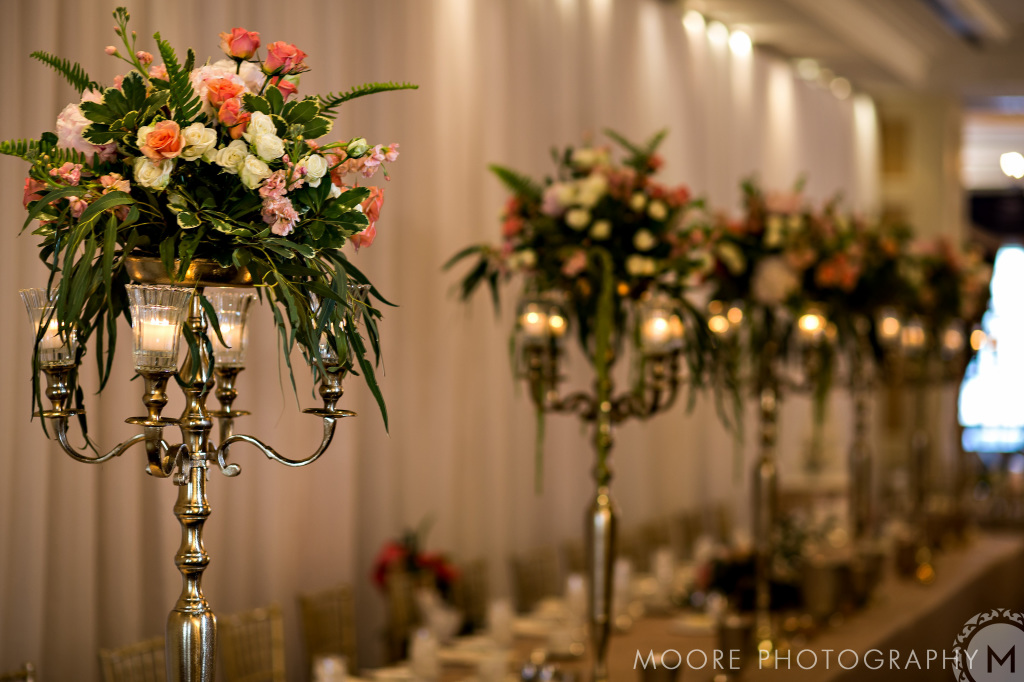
point(719, 324)
point(232, 334)
point(158, 336)
point(913, 336)
point(534, 322)
point(51, 338)
point(889, 327)
point(811, 325)
point(557, 326)
point(655, 333)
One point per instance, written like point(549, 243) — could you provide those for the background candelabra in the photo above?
point(541, 330)
point(921, 356)
point(161, 316)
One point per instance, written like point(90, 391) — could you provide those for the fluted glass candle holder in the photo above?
point(661, 328)
point(232, 306)
point(157, 315)
point(54, 351)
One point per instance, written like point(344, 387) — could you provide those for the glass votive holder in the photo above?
point(53, 350)
point(158, 312)
point(232, 306)
point(888, 327)
point(661, 328)
point(812, 325)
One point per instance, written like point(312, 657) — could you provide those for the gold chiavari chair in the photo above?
point(472, 593)
point(139, 662)
point(684, 530)
point(403, 615)
point(26, 673)
point(252, 645)
point(535, 575)
point(329, 624)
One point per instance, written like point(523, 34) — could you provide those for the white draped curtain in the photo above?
point(86, 551)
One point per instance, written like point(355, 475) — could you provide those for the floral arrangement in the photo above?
point(426, 568)
point(596, 225)
point(216, 161)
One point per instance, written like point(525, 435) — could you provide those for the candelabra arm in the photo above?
point(62, 438)
point(330, 421)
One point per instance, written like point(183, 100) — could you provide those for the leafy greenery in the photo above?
point(330, 103)
point(72, 71)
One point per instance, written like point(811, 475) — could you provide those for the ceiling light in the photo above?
point(739, 43)
point(840, 87)
point(693, 21)
point(1012, 164)
point(718, 33)
point(808, 69)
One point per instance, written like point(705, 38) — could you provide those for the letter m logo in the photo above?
point(1000, 661)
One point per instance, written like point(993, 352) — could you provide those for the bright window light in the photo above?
point(1012, 164)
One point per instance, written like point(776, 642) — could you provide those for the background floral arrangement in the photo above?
point(426, 568)
point(595, 225)
point(217, 161)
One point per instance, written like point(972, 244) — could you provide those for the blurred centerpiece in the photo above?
point(604, 253)
point(193, 181)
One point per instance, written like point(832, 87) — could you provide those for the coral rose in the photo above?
point(233, 118)
point(284, 58)
point(220, 90)
point(240, 44)
point(161, 141)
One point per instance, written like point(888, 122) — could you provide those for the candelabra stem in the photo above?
point(860, 456)
point(920, 451)
point(191, 626)
point(601, 524)
point(764, 517)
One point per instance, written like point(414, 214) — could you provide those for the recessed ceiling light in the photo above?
point(739, 43)
point(694, 21)
point(718, 33)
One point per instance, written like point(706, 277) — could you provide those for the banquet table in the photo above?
point(903, 616)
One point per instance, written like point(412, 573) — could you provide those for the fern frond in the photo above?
point(72, 71)
point(183, 99)
point(520, 184)
point(624, 143)
point(329, 103)
point(23, 149)
point(655, 141)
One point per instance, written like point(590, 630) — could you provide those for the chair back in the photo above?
point(139, 662)
point(535, 575)
point(252, 645)
point(26, 673)
point(329, 624)
point(403, 615)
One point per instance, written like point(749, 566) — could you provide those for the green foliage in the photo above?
point(519, 184)
point(330, 103)
point(72, 71)
point(183, 99)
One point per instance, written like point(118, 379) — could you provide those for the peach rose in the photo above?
point(287, 87)
point(284, 58)
point(161, 141)
point(233, 118)
point(240, 44)
point(32, 189)
point(220, 90)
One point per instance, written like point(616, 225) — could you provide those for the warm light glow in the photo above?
point(913, 336)
point(532, 318)
point(841, 88)
point(534, 322)
point(740, 43)
point(1012, 164)
point(716, 307)
point(694, 21)
point(675, 327)
point(735, 315)
point(953, 340)
point(978, 339)
point(811, 323)
point(808, 69)
point(557, 324)
point(718, 34)
point(718, 324)
point(889, 328)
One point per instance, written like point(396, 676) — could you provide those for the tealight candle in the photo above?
point(51, 338)
point(158, 336)
point(534, 322)
point(811, 325)
point(655, 332)
point(557, 325)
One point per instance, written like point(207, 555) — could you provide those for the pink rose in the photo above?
point(240, 44)
point(71, 125)
point(233, 118)
point(164, 141)
point(220, 90)
point(284, 58)
point(286, 87)
point(32, 189)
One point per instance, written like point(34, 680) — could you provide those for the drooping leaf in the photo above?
point(72, 72)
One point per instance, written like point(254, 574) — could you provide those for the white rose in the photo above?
point(773, 281)
point(577, 218)
point(253, 172)
point(522, 259)
point(638, 201)
point(316, 168)
point(154, 175)
point(643, 240)
point(198, 141)
point(731, 256)
point(585, 157)
point(252, 75)
point(601, 229)
point(657, 210)
point(335, 191)
point(232, 157)
point(591, 190)
point(641, 266)
point(565, 193)
point(260, 124)
point(268, 147)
